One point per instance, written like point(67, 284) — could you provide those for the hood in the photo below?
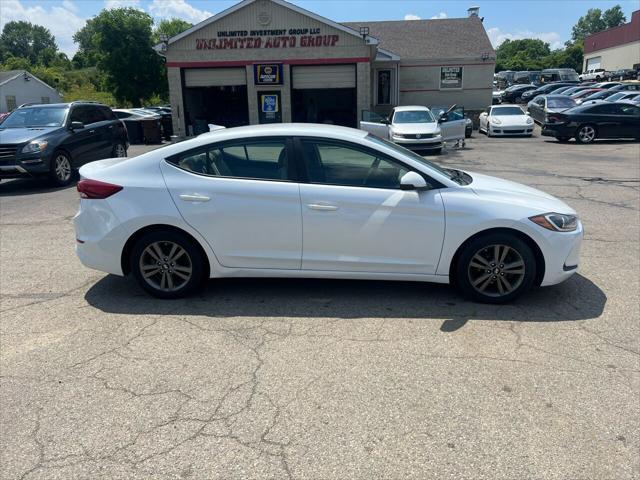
point(412, 128)
point(513, 193)
point(512, 120)
point(24, 135)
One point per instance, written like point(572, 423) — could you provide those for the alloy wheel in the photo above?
point(496, 270)
point(62, 168)
point(165, 266)
point(120, 151)
point(587, 134)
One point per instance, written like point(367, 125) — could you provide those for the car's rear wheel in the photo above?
point(167, 264)
point(496, 268)
point(61, 172)
point(586, 134)
point(119, 150)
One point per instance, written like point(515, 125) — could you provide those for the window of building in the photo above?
point(384, 87)
point(11, 102)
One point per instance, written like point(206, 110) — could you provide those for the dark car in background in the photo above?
point(544, 90)
point(540, 107)
point(527, 77)
point(624, 86)
point(577, 96)
point(606, 85)
point(624, 74)
point(599, 95)
point(568, 75)
point(54, 140)
point(587, 123)
point(513, 94)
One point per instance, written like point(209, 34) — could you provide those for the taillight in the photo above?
point(95, 189)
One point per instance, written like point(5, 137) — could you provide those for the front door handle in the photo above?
point(194, 197)
point(323, 207)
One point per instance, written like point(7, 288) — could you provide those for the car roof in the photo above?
point(407, 108)
point(286, 129)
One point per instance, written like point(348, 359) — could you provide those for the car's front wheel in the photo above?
point(586, 134)
point(61, 172)
point(167, 264)
point(496, 268)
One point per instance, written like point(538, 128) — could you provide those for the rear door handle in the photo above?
point(92, 131)
point(195, 198)
point(325, 207)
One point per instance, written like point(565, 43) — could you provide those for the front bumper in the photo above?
point(25, 165)
point(419, 143)
point(562, 255)
point(511, 130)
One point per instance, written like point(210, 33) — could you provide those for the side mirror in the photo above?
point(76, 126)
point(528, 113)
point(412, 181)
point(385, 121)
point(443, 118)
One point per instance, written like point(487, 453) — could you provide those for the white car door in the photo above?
point(238, 197)
point(357, 219)
point(376, 124)
point(454, 124)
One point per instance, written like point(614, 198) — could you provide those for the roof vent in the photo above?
point(473, 11)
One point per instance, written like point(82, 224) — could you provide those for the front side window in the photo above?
point(262, 160)
point(340, 164)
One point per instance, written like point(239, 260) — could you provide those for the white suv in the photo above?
point(595, 74)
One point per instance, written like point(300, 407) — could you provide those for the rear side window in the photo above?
point(256, 159)
point(107, 113)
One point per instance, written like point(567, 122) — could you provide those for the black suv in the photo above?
point(55, 139)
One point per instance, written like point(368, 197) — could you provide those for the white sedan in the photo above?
point(505, 120)
point(302, 200)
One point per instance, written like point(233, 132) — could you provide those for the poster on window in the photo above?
point(450, 77)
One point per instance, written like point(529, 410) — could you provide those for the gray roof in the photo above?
point(9, 74)
point(431, 39)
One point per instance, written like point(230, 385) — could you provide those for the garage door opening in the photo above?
point(335, 106)
point(226, 106)
point(324, 94)
point(215, 95)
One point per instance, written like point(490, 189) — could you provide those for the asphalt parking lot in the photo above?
point(328, 379)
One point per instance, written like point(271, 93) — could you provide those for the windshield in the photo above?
point(413, 116)
point(36, 117)
point(615, 96)
point(571, 76)
point(560, 102)
point(506, 111)
point(454, 175)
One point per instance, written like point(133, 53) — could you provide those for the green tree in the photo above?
point(595, 21)
point(26, 40)
point(525, 54)
point(120, 42)
point(170, 28)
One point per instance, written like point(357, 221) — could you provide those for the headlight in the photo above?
point(35, 146)
point(495, 121)
point(529, 121)
point(557, 222)
point(397, 135)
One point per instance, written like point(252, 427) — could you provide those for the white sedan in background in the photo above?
point(304, 200)
point(505, 120)
point(416, 127)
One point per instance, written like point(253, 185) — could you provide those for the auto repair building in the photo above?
point(265, 61)
point(615, 48)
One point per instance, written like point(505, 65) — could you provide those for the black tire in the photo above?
point(500, 286)
point(563, 139)
point(61, 172)
point(119, 150)
point(582, 135)
point(143, 261)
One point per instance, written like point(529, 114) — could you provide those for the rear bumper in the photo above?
point(550, 130)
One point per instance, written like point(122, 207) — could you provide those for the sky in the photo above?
point(548, 20)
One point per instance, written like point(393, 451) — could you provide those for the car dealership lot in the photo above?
point(328, 379)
